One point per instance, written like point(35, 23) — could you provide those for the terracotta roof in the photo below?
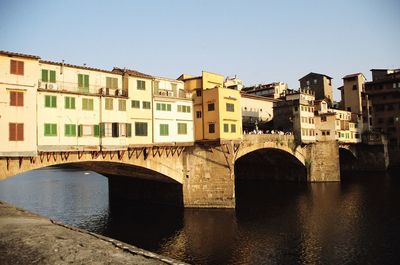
point(19, 54)
point(312, 73)
point(131, 73)
point(77, 66)
point(353, 75)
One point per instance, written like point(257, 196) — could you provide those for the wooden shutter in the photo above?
point(47, 101)
point(90, 105)
point(20, 99)
point(45, 75)
point(20, 68)
point(72, 103)
point(13, 98)
point(102, 129)
point(96, 130)
point(86, 81)
point(52, 76)
point(80, 80)
point(13, 67)
point(80, 130)
point(20, 131)
point(11, 131)
point(108, 82)
point(115, 129)
point(128, 130)
point(54, 101)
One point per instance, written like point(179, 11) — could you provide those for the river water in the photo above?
point(356, 221)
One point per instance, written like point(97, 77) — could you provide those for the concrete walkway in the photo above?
point(27, 238)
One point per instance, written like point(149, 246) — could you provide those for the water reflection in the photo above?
point(352, 222)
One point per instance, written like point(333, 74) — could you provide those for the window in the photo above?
point(174, 86)
point(70, 130)
point(354, 87)
point(315, 81)
point(211, 128)
point(50, 129)
point(96, 130)
point(16, 67)
point(156, 86)
point(140, 128)
point(16, 98)
point(48, 76)
point(87, 104)
point(348, 108)
point(83, 83)
point(16, 131)
point(323, 118)
point(135, 104)
point(146, 104)
point(198, 92)
point(106, 129)
point(87, 130)
point(112, 82)
point(122, 129)
point(109, 104)
point(296, 108)
point(114, 129)
point(163, 107)
point(211, 107)
point(164, 130)
point(198, 114)
point(69, 103)
point(122, 105)
point(230, 107)
point(141, 85)
point(183, 108)
point(233, 128)
point(308, 82)
point(226, 127)
point(182, 128)
point(128, 130)
point(50, 101)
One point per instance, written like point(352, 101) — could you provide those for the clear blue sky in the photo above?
point(260, 41)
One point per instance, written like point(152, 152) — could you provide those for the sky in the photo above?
point(259, 41)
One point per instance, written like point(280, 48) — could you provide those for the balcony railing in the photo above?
point(75, 88)
point(172, 93)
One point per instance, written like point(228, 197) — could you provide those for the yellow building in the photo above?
point(217, 112)
point(18, 90)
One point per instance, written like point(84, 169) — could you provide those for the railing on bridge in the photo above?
point(267, 137)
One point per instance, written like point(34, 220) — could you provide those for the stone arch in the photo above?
point(171, 167)
point(347, 158)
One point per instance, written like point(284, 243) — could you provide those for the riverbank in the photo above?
point(27, 238)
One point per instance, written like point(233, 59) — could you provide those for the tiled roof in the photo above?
point(19, 54)
point(131, 73)
point(77, 66)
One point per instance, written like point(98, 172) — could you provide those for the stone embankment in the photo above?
point(27, 238)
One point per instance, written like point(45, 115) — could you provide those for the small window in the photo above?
point(48, 76)
point(16, 67)
point(112, 82)
point(230, 107)
point(296, 108)
point(70, 130)
point(86, 130)
point(87, 104)
point(135, 104)
point(50, 129)
point(233, 128)
point(168, 107)
point(354, 87)
point(164, 130)
point(16, 131)
point(122, 105)
point(198, 114)
point(114, 129)
point(182, 128)
point(140, 128)
point(198, 92)
point(50, 101)
point(146, 104)
point(211, 107)
point(226, 127)
point(211, 128)
point(83, 83)
point(69, 103)
point(109, 104)
point(141, 85)
point(315, 81)
point(16, 98)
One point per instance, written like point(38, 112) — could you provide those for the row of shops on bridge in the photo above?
point(50, 106)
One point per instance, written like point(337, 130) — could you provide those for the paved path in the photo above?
point(27, 238)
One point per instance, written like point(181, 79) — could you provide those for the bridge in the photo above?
point(199, 175)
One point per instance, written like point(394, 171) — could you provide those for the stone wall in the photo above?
point(323, 162)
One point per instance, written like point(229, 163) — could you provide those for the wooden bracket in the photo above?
point(121, 154)
point(130, 153)
point(180, 150)
point(8, 163)
point(20, 161)
point(32, 159)
point(112, 154)
point(80, 154)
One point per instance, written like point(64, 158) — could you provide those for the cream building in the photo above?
point(80, 108)
point(173, 112)
point(139, 106)
point(256, 110)
point(18, 89)
point(346, 125)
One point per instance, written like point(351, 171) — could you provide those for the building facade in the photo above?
point(273, 90)
point(319, 83)
point(18, 91)
point(257, 111)
point(384, 92)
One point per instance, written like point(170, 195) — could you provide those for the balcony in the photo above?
point(69, 87)
point(172, 93)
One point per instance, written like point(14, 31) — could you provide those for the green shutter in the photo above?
point(73, 130)
point(90, 104)
point(115, 83)
point(66, 130)
point(84, 104)
point(72, 103)
point(128, 130)
point(96, 130)
point(80, 130)
point(67, 102)
point(47, 101)
point(168, 107)
point(54, 129)
point(108, 82)
point(54, 101)
point(80, 80)
point(86, 81)
point(52, 76)
point(45, 75)
point(46, 129)
point(102, 129)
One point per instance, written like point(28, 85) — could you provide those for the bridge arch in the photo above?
point(347, 158)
